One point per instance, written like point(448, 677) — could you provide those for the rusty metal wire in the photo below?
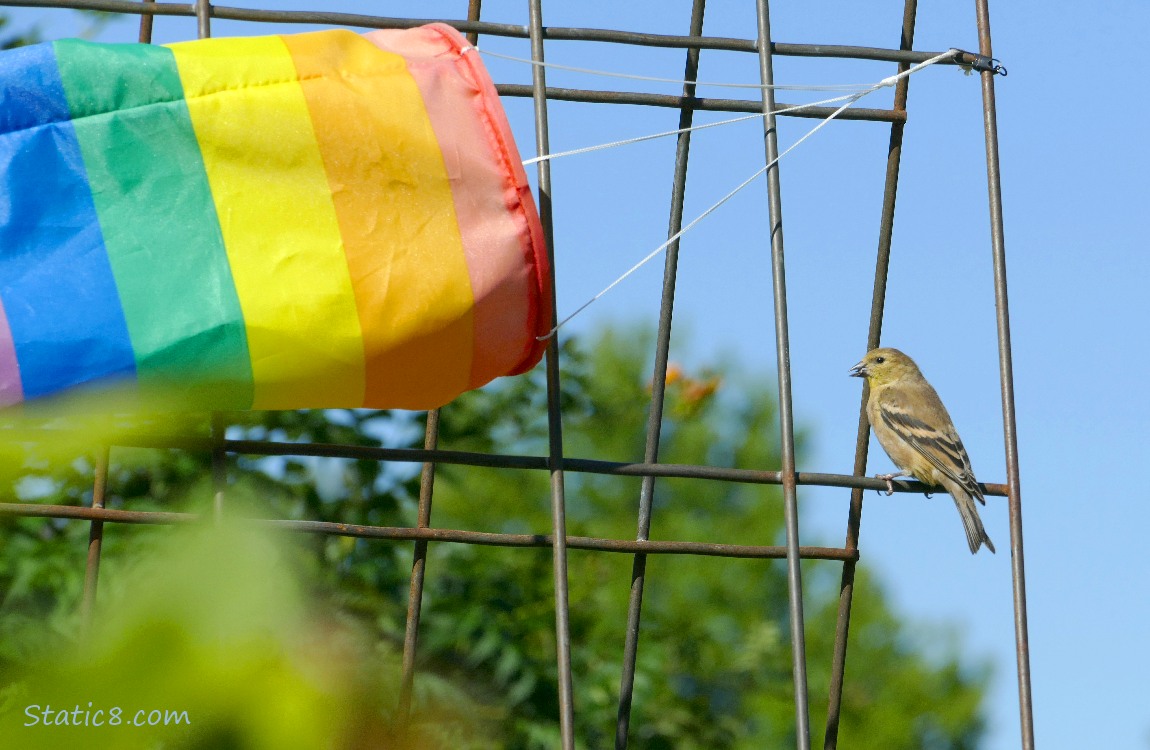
point(650, 470)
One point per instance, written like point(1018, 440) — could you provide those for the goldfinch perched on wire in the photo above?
point(914, 429)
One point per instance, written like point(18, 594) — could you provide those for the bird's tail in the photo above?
point(975, 533)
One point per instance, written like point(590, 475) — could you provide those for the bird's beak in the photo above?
point(859, 370)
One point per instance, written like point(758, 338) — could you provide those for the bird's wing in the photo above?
point(943, 449)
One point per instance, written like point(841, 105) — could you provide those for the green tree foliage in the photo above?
point(714, 656)
point(94, 22)
point(11, 39)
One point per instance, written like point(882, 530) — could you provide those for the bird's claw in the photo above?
point(888, 478)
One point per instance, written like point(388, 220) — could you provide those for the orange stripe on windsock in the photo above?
point(502, 237)
point(393, 200)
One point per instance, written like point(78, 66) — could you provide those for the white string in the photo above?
point(655, 79)
point(851, 99)
point(889, 81)
point(652, 136)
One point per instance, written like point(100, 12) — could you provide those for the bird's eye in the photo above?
point(880, 360)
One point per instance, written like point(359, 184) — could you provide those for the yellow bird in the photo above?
point(915, 430)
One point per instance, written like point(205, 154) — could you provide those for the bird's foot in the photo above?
point(889, 483)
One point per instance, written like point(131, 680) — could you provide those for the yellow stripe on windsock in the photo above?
point(278, 221)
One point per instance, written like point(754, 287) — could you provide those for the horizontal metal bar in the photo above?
point(699, 103)
point(130, 7)
point(87, 513)
point(493, 29)
point(400, 533)
point(490, 460)
point(628, 546)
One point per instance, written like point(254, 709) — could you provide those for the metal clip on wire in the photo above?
point(984, 64)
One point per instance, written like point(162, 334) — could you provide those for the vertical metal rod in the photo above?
point(658, 387)
point(95, 541)
point(146, 21)
point(203, 18)
point(554, 417)
point(1006, 373)
point(786, 417)
point(426, 492)
point(219, 466)
point(862, 437)
point(418, 570)
point(473, 10)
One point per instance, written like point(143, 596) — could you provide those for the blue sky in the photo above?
point(1074, 165)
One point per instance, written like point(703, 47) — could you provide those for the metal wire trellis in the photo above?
point(556, 462)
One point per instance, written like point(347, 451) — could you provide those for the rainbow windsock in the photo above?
point(304, 221)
